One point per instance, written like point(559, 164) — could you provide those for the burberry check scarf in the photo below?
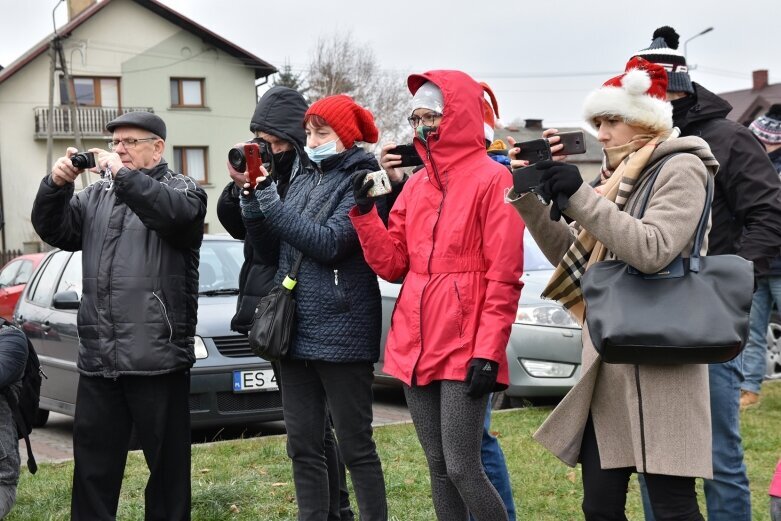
point(630, 160)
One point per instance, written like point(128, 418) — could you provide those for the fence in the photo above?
point(7, 255)
point(92, 120)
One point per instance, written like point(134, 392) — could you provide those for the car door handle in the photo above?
point(45, 327)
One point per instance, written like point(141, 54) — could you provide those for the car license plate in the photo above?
point(248, 381)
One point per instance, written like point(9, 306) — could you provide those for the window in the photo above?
point(24, 273)
point(191, 161)
point(186, 92)
point(92, 92)
point(43, 289)
point(8, 275)
point(71, 275)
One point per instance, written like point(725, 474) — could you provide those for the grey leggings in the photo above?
point(450, 427)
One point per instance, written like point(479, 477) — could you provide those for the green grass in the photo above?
point(250, 479)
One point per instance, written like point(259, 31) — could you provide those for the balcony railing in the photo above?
point(92, 120)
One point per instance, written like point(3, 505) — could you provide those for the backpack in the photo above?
point(25, 407)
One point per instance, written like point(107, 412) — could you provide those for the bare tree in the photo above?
point(340, 66)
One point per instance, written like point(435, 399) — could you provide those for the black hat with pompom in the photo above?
point(664, 51)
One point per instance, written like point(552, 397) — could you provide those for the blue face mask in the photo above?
point(322, 152)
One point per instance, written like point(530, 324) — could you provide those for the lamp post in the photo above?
point(685, 42)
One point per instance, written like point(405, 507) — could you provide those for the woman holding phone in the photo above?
point(622, 418)
point(338, 312)
point(458, 248)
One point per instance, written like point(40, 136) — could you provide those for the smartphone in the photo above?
point(526, 179)
point(409, 156)
point(381, 185)
point(252, 155)
point(574, 143)
point(534, 151)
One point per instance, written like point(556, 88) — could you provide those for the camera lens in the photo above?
point(82, 160)
point(237, 160)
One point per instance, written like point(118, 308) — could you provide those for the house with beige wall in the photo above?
point(124, 55)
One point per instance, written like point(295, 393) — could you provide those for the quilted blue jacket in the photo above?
point(337, 295)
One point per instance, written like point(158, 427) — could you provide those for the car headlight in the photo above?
point(548, 314)
point(200, 348)
point(546, 369)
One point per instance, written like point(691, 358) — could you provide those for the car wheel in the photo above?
point(500, 401)
point(41, 417)
point(774, 348)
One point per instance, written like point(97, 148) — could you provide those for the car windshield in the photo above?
point(533, 259)
point(220, 265)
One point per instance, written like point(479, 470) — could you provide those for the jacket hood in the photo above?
point(708, 106)
point(280, 112)
point(460, 137)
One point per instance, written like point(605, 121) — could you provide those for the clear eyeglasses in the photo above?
point(129, 142)
point(428, 119)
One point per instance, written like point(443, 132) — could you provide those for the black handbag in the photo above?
point(274, 321)
point(695, 311)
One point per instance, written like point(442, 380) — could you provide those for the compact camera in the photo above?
point(381, 185)
point(237, 156)
point(82, 160)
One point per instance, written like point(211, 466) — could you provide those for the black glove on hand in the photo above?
point(559, 181)
point(481, 377)
point(361, 191)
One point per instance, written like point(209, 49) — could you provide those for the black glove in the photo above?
point(481, 377)
point(559, 181)
point(361, 191)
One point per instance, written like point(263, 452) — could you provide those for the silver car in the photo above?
point(544, 348)
point(229, 385)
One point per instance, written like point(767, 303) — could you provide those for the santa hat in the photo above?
point(638, 97)
point(490, 113)
point(664, 51)
point(350, 121)
point(768, 127)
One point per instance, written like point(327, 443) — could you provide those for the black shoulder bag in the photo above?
point(275, 316)
point(695, 311)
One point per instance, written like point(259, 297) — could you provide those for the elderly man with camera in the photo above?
point(140, 229)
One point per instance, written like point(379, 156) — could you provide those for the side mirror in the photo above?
point(66, 300)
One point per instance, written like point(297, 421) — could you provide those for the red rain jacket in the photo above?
point(457, 244)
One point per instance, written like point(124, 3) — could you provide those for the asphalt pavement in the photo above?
point(54, 442)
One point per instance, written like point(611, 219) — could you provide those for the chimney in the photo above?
point(759, 79)
point(75, 7)
point(533, 123)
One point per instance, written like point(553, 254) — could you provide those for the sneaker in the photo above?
point(748, 399)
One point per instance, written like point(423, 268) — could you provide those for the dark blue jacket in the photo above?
point(775, 264)
point(337, 295)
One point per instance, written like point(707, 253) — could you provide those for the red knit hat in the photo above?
point(350, 121)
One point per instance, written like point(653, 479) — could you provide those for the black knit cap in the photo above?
point(141, 119)
point(664, 51)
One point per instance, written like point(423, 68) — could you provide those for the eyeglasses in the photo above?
point(428, 119)
point(128, 142)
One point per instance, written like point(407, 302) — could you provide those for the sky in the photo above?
point(541, 58)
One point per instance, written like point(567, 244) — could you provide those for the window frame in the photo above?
point(183, 162)
point(95, 89)
point(180, 92)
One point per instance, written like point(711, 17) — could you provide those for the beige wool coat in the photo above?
point(673, 433)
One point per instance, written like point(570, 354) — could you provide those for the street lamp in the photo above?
point(705, 31)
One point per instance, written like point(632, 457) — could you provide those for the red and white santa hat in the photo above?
point(490, 112)
point(638, 96)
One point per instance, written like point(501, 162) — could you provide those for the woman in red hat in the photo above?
point(338, 310)
point(459, 249)
point(625, 418)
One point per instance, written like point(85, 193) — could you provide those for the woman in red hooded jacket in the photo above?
point(458, 247)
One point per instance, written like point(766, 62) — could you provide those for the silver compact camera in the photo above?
point(381, 185)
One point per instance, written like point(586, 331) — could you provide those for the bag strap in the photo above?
point(699, 236)
point(322, 216)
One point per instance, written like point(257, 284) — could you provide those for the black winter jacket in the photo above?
point(337, 295)
point(746, 216)
point(280, 112)
point(140, 235)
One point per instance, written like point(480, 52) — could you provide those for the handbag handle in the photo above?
point(699, 236)
point(322, 215)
